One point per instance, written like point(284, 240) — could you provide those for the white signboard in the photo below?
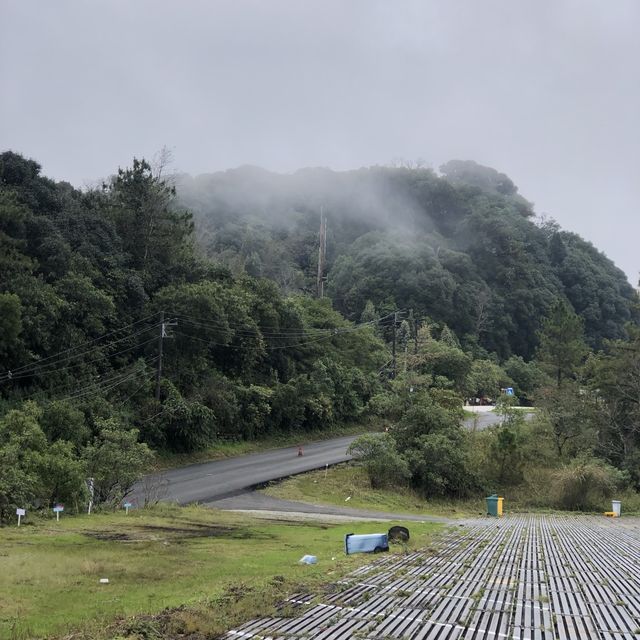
point(21, 512)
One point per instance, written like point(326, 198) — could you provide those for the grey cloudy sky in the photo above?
point(547, 91)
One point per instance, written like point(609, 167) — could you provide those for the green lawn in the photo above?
point(335, 485)
point(223, 567)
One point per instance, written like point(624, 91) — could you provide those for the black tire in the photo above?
point(398, 534)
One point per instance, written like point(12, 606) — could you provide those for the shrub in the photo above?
point(586, 484)
point(381, 460)
point(440, 466)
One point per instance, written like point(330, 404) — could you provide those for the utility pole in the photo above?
point(322, 252)
point(163, 334)
point(393, 348)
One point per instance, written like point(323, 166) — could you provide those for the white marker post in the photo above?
point(20, 513)
point(326, 470)
point(127, 506)
point(91, 492)
point(57, 510)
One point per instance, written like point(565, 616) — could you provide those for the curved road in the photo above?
point(213, 481)
point(218, 479)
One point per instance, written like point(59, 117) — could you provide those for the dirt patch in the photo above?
point(179, 533)
point(108, 536)
point(199, 530)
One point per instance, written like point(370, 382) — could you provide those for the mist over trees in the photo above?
point(439, 287)
point(462, 248)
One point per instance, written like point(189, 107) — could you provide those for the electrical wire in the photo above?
point(53, 368)
point(294, 333)
point(293, 345)
point(231, 325)
point(211, 343)
point(11, 373)
point(155, 415)
point(51, 364)
point(106, 385)
point(243, 330)
point(144, 383)
point(53, 393)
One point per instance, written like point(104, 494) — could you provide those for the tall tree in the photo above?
point(155, 234)
point(562, 346)
point(616, 381)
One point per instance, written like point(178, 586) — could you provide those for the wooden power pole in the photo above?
point(162, 336)
point(393, 344)
point(322, 253)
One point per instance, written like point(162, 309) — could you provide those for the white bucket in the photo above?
point(615, 507)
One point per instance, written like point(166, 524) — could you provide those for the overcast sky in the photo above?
point(547, 91)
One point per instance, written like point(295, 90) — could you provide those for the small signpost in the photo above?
point(91, 493)
point(20, 513)
point(127, 506)
point(57, 510)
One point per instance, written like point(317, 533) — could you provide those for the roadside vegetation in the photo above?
point(160, 320)
point(348, 485)
point(171, 571)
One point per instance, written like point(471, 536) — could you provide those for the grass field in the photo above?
point(199, 570)
point(350, 479)
point(335, 485)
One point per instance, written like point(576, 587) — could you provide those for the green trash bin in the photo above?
point(492, 505)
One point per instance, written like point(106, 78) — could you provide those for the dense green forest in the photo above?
point(439, 287)
point(462, 249)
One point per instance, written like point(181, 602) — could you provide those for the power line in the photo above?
point(53, 368)
point(10, 374)
point(155, 415)
point(229, 324)
point(330, 333)
point(212, 343)
point(294, 345)
point(144, 383)
point(97, 385)
point(326, 334)
point(209, 324)
point(242, 332)
point(106, 335)
point(294, 333)
point(98, 388)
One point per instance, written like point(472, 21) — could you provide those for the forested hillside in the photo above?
point(462, 249)
point(438, 288)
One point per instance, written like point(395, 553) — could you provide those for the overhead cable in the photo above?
point(9, 374)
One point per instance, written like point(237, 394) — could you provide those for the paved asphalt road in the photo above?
point(212, 481)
